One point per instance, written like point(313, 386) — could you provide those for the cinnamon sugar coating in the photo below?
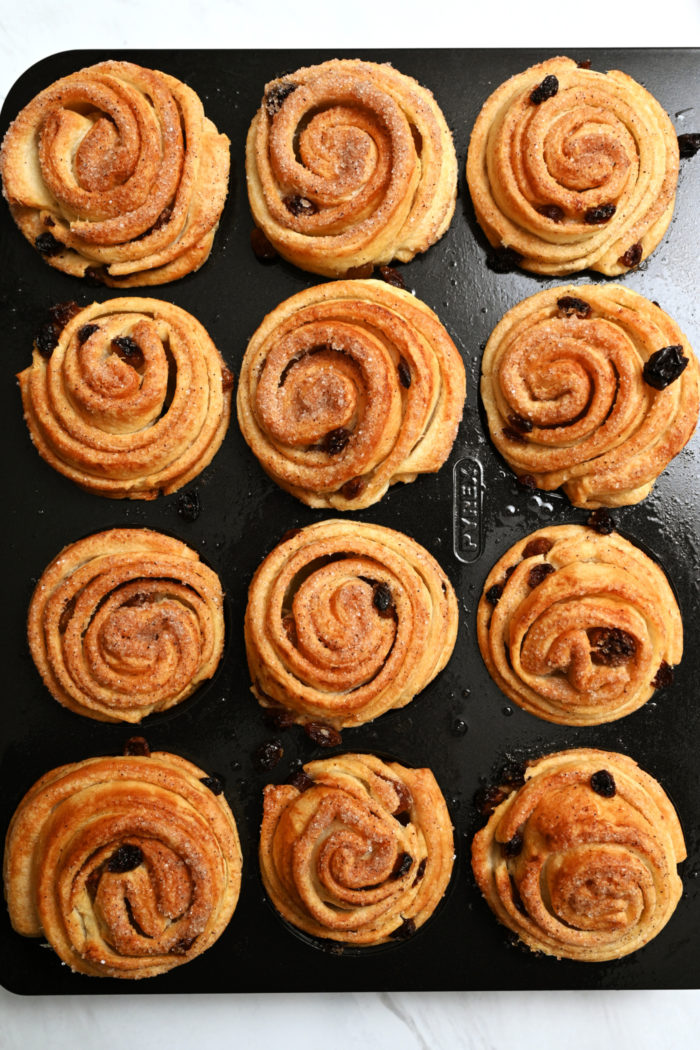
point(115, 172)
point(594, 875)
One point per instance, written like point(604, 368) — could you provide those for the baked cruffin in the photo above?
point(356, 849)
point(116, 174)
point(127, 866)
point(570, 169)
point(124, 623)
point(347, 620)
point(347, 388)
point(581, 861)
point(350, 164)
point(129, 399)
point(590, 387)
point(577, 627)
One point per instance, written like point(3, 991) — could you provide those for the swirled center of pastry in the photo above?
point(598, 887)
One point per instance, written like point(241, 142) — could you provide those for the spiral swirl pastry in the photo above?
point(345, 621)
point(577, 627)
point(569, 397)
point(360, 851)
point(127, 866)
point(133, 402)
point(115, 173)
point(580, 862)
point(125, 623)
point(572, 169)
point(350, 164)
point(348, 387)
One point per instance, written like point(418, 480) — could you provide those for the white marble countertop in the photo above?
point(447, 1021)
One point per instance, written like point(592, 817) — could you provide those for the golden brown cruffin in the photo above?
point(580, 862)
point(577, 627)
point(358, 850)
point(573, 169)
point(347, 388)
point(350, 164)
point(115, 173)
point(127, 866)
point(567, 399)
point(345, 621)
point(124, 623)
point(133, 401)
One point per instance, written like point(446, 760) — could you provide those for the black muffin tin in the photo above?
point(461, 726)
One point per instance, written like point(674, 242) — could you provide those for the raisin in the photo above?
point(86, 331)
point(182, 946)
point(601, 521)
point(404, 819)
point(632, 257)
point(62, 313)
point(509, 572)
point(514, 846)
point(663, 677)
point(688, 144)
point(538, 573)
point(405, 798)
point(162, 219)
point(404, 863)
point(353, 488)
point(664, 367)
point(268, 754)
point(48, 221)
point(137, 745)
point(382, 599)
point(126, 347)
point(421, 871)
point(46, 244)
point(360, 272)
point(540, 545)
point(569, 304)
point(404, 931)
point(301, 780)
point(392, 277)
point(188, 505)
point(226, 379)
point(262, 248)
point(46, 339)
point(519, 423)
point(215, 783)
point(280, 717)
point(514, 435)
point(526, 481)
point(94, 275)
point(585, 63)
point(488, 798)
point(277, 94)
point(603, 783)
point(612, 646)
point(597, 216)
point(300, 206)
point(323, 735)
point(551, 211)
point(493, 594)
point(547, 89)
point(335, 441)
point(404, 373)
point(503, 260)
point(125, 859)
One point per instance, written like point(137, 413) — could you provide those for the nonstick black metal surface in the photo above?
point(244, 514)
